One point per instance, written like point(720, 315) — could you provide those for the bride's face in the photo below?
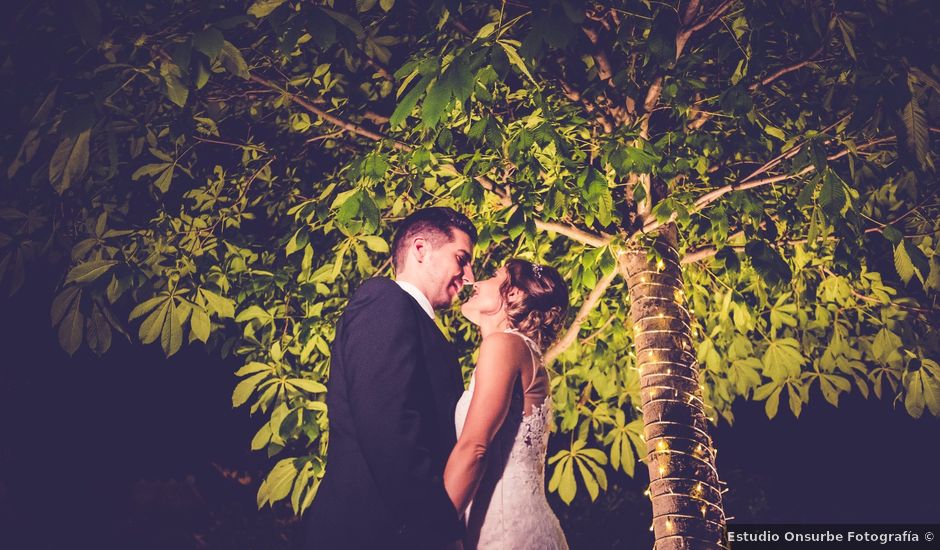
point(485, 301)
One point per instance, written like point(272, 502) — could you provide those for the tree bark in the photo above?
point(684, 486)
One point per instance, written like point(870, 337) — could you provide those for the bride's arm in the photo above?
point(496, 372)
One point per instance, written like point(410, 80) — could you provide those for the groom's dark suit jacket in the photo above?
point(394, 382)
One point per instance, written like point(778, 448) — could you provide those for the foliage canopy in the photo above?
point(227, 172)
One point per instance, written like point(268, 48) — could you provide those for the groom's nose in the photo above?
point(468, 278)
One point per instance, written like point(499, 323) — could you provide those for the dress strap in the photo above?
point(533, 351)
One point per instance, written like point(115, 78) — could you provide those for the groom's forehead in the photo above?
point(461, 243)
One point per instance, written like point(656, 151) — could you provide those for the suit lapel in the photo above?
point(444, 373)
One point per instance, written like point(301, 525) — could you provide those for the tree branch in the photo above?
point(706, 252)
point(864, 298)
point(487, 183)
point(574, 233)
point(708, 19)
point(686, 32)
point(333, 119)
point(748, 183)
point(571, 334)
point(785, 70)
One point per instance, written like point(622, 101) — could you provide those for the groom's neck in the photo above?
point(415, 281)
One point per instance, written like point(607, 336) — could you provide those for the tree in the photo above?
point(753, 183)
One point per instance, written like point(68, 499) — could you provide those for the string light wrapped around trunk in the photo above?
point(684, 488)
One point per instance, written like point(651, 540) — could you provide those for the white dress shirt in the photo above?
point(418, 296)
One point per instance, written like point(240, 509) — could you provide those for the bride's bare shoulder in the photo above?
point(503, 346)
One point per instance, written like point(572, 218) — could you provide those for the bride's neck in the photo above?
point(491, 324)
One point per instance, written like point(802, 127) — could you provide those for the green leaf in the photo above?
point(261, 438)
point(783, 359)
point(848, 31)
point(263, 8)
point(89, 271)
point(407, 104)
point(64, 301)
point(171, 333)
point(280, 480)
point(69, 161)
point(223, 307)
point(150, 170)
point(567, 486)
point(435, 102)
point(886, 346)
point(233, 61)
point(297, 241)
point(200, 325)
point(26, 152)
point(775, 132)
point(246, 387)
point(163, 182)
point(916, 133)
point(146, 307)
point(354, 26)
point(796, 402)
point(773, 403)
point(152, 326)
point(589, 481)
point(98, 331)
point(70, 331)
point(210, 41)
point(307, 385)
point(176, 89)
point(832, 197)
point(375, 243)
point(486, 30)
point(892, 234)
point(374, 166)
point(768, 262)
point(515, 59)
point(910, 261)
point(253, 367)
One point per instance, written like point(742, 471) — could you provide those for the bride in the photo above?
point(495, 475)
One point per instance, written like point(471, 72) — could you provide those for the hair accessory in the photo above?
point(537, 271)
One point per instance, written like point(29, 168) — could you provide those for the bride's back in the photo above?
point(509, 509)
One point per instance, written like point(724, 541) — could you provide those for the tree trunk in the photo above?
point(684, 486)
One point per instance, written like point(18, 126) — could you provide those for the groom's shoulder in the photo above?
point(379, 291)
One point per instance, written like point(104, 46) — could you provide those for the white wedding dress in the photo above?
point(509, 510)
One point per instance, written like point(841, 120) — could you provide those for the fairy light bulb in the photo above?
point(660, 264)
point(669, 524)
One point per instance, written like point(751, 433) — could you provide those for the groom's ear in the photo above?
point(420, 247)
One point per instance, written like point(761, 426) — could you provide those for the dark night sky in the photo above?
point(100, 450)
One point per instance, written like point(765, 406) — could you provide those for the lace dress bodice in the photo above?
point(509, 510)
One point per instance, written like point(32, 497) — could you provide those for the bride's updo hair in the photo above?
point(540, 313)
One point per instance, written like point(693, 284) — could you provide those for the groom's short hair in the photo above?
point(436, 224)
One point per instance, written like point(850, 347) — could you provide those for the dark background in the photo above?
point(135, 450)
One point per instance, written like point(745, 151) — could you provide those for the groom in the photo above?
point(394, 383)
